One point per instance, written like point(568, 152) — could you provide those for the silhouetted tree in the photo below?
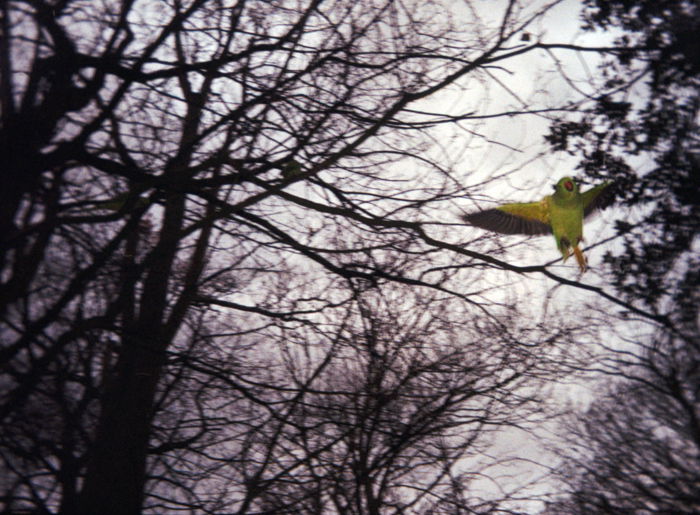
point(199, 198)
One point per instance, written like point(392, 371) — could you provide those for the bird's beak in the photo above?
point(569, 185)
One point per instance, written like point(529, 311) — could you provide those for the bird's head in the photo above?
point(566, 185)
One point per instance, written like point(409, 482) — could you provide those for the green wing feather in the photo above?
point(598, 197)
point(519, 218)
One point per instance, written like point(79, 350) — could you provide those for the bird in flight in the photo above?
point(561, 214)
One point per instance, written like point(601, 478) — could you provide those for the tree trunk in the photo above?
point(116, 472)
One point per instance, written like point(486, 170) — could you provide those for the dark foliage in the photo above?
point(637, 449)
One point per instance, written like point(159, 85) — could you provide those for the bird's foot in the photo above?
point(580, 259)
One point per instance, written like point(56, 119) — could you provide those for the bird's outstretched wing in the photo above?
point(596, 198)
point(520, 218)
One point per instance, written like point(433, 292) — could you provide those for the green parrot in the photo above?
point(561, 213)
point(291, 169)
point(118, 202)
